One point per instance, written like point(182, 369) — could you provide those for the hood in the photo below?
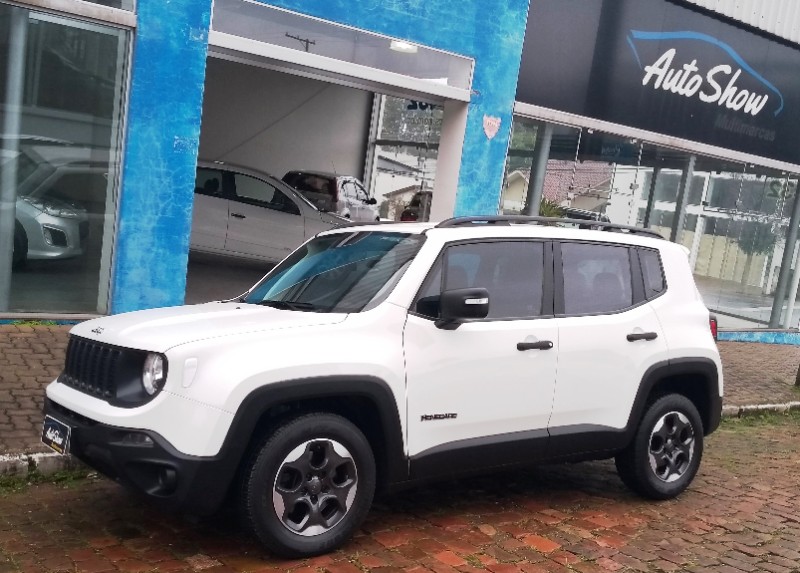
point(160, 329)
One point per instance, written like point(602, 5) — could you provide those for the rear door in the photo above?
point(609, 336)
point(210, 212)
point(264, 221)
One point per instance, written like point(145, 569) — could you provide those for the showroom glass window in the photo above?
point(61, 99)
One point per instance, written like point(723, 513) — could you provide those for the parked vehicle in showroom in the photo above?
point(318, 386)
point(340, 194)
point(51, 221)
point(244, 213)
point(418, 208)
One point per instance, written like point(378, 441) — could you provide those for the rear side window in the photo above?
point(653, 273)
point(597, 278)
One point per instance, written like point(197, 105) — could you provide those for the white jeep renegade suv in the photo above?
point(376, 356)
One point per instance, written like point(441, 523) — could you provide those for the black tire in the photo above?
point(666, 450)
point(339, 482)
point(20, 254)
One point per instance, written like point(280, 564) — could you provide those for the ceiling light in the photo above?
point(401, 46)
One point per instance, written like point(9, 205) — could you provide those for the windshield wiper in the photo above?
point(289, 305)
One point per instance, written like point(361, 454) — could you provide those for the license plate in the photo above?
point(55, 435)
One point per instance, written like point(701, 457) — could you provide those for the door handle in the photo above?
point(642, 336)
point(237, 215)
point(541, 345)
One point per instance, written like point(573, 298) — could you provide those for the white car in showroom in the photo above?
point(247, 214)
point(340, 194)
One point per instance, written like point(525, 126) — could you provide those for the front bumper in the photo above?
point(144, 461)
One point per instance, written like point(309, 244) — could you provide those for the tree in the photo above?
point(756, 238)
point(548, 208)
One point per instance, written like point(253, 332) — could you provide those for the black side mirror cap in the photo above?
point(462, 305)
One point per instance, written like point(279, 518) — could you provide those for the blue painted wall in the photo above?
point(165, 111)
point(490, 32)
point(163, 134)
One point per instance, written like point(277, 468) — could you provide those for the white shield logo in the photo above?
point(491, 125)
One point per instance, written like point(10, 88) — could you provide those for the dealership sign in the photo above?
point(663, 67)
point(689, 81)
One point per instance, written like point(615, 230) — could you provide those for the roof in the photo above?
point(563, 177)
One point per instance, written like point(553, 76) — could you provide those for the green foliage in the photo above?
point(549, 208)
point(10, 484)
point(34, 322)
point(756, 238)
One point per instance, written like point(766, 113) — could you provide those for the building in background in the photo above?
point(685, 119)
point(673, 114)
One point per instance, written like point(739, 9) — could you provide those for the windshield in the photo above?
point(342, 272)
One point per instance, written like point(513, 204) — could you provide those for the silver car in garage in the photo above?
point(50, 222)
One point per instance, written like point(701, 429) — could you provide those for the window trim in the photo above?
point(657, 252)
point(547, 277)
point(559, 279)
point(98, 13)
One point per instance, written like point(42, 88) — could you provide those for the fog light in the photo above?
point(137, 439)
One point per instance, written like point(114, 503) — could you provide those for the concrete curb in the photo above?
point(20, 465)
point(741, 411)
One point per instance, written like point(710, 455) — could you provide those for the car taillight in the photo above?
point(712, 323)
point(408, 217)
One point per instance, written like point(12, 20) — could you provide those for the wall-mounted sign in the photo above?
point(660, 66)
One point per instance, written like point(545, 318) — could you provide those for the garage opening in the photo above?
point(308, 124)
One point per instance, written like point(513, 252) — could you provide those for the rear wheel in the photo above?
point(310, 486)
point(20, 253)
point(665, 453)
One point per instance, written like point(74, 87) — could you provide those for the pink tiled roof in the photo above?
point(588, 177)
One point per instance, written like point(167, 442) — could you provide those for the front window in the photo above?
point(342, 272)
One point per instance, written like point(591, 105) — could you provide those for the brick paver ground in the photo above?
point(31, 356)
point(742, 514)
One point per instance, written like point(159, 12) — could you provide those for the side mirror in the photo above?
point(371, 201)
point(461, 305)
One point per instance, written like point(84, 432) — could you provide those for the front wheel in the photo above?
point(665, 453)
point(310, 486)
point(20, 253)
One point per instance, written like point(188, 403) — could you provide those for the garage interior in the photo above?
point(273, 122)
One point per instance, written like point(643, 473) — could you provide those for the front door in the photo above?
point(264, 221)
point(481, 395)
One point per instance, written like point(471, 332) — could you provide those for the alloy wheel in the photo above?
point(315, 487)
point(672, 446)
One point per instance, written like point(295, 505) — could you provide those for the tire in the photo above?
point(666, 450)
point(20, 254)
point(336, 477)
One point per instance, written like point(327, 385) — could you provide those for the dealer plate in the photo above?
point(55, 435)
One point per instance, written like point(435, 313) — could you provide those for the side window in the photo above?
point(653, 273)
point(361, 194)
point(512, 272)
point(597, 278)
point(257, 192)
point(349, 189)
point(208, 182)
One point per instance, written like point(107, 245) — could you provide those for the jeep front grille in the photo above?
point(91, 367)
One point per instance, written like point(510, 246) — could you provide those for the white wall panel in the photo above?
point(779, 17)
point(277, 122)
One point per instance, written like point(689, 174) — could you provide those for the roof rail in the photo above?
point(525, 219)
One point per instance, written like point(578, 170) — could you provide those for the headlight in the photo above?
point(153, 373)
point(53, 209)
